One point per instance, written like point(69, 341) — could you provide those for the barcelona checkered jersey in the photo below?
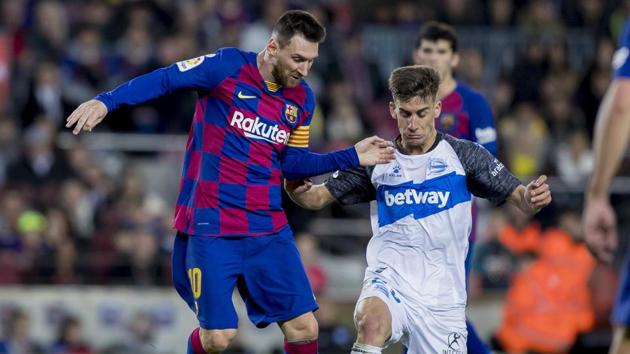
point(246, 133)
point(467, 115)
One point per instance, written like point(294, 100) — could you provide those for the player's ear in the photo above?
point(273, 46)
point(437, 108)
point(392, 109)
point(415, 56)
point(455, 60)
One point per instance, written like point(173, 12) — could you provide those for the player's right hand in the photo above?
point(600, 228)
point(298, 186)
point(86, 116)
point(374, 151)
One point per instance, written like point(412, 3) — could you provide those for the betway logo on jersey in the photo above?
point(256, 128)
point(413, 196)
point(420, 200)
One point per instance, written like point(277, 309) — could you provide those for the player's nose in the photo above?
point(303, 69)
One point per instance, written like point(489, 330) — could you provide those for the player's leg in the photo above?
point(275, 289)
point(437, 332)
point(300, 334)
point(380, 313)
point(474, 343)
point(373, 321)
point(211, 267)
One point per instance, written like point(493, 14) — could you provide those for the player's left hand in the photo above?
point(600, 228)
point(538, 194)
point(374, 151)
point(298, 186)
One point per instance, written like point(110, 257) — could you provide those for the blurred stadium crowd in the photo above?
point(69, 215)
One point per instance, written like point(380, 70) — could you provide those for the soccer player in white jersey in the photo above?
point(414, 288)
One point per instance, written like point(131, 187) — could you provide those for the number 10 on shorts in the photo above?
point(194, 274)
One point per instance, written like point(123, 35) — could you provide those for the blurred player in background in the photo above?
point(250, 127)
point(612, 132)
point(414, 289)
point(465, 114)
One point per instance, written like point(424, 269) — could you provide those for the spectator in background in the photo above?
point(46, 97)
point(334, 336)
point(493, 264)
point(139, 338)
point(41, 161)
point(308, 246)
point(70, 338)
point(527, 135)
point(16, 337)
point(574, 159)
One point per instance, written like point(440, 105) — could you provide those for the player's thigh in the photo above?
point(181, 282)
point(213, 266)
point(275, 286)
point(379, 298)
point(437, 331)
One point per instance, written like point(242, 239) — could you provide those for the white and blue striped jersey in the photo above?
point(421, 214)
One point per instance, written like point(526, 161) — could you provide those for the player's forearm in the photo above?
point(298, 163)
point(612, 131)
point(314, 199)
point(137, 90)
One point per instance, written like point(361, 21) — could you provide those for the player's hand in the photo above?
point(86, 116)
point(538, 194)
point(298, 186)
point(600, 228)
point(374, 151)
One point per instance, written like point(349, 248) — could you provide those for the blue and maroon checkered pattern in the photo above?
point(231, 179)
point(463, 111)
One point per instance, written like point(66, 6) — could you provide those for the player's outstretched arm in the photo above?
point(533, 197)
point(87, 116)
point(299, 163)
point(612, 132)
point(307, 195)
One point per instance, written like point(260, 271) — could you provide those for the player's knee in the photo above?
point(303, 327)
point(216, 340)
point(372, 326)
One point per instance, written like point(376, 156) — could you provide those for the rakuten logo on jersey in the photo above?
point(255, 128)
point(413, 196)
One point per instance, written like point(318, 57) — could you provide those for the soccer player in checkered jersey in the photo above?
point(250, 128)
point(465, 114)
point(612, 133)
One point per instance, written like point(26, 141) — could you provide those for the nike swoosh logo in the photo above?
point(244, 97)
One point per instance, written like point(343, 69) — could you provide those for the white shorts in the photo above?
point(421, 330)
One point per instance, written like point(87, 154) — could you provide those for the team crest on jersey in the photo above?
point(437, 165)
point(447, 121)
point(291, 113)
point(186, 65)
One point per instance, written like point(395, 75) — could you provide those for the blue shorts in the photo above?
point(267, 270)
point(621, 312)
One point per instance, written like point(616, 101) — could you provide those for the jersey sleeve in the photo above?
point(301, 134)
point(200, 73)
point(620, 63)
point(298, 162)
point(351, 186)
point(486, 176)
point(482, 124)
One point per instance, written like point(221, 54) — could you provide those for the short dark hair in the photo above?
point(295, 22)
point(434, 31)
point(417, 80)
